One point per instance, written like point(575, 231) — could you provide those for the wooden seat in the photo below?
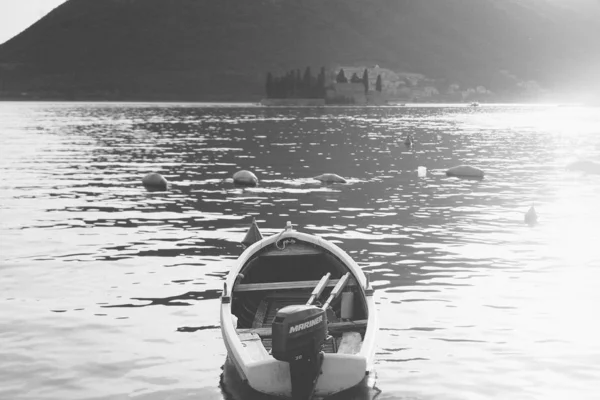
point(351, 343)
point(329, 346)
point(334, 327)
point(261, 311)
point(252, 287)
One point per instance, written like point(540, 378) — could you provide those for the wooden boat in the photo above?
point(298, 316)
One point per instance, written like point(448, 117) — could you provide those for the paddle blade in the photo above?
point(253, 235)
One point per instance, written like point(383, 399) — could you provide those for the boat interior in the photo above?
point(294, 272)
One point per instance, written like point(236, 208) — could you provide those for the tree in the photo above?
point(275, 84)
point(306, 82)
point(365, 80)
point(281, 87)
point(378, 83)
point(269, 85)
point(290, 84)
point(298, 84)
point(341, 77)
point(355, 78)
point(320, 92)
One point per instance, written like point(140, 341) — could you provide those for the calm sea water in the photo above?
point(111, 292)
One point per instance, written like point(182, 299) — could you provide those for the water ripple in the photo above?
point(99, 277)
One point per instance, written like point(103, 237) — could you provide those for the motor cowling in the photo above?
point(299, 332)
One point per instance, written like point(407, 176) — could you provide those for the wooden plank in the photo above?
point(328, 347)
point(351, 343)
point(247, 336)
point(332, 327)
point(252, 287)
point(295, 249)
point(280, 301)
point(259, 317)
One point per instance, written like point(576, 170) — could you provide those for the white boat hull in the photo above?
point(268, 375)
point(265, 374)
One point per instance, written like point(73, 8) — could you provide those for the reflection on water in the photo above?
point(474, 302)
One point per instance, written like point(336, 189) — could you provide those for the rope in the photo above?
point(278, 236)
point(277, 241)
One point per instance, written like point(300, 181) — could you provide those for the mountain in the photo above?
point(222, 49)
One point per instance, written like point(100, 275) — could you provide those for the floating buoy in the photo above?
point(155, 182)
point(330, 178)
point(422, 172)
point(245, 178)
point(465, 171)
point(589, 167)
point(409, 140)
point(531, 216)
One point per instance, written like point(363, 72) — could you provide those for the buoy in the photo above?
point(330, 178)
point(245, 178)
point(409, 140)
point(531, 216)
point(422, 172)
point(155, 182)
point(465, 171)
point(589, 167)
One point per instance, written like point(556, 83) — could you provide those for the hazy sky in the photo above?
point(17, 15)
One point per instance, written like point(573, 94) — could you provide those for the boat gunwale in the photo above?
point(348, 262)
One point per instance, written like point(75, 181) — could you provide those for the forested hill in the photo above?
point(222, 49)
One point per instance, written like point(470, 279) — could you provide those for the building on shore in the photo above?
point(295, 89)
point(353, 93)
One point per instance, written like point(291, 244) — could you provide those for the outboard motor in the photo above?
point(299, 332)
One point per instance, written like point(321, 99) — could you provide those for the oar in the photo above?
point(336, 290)
point(318, 290)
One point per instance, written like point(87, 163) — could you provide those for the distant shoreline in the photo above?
point(256, 101)
point(259, 105)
